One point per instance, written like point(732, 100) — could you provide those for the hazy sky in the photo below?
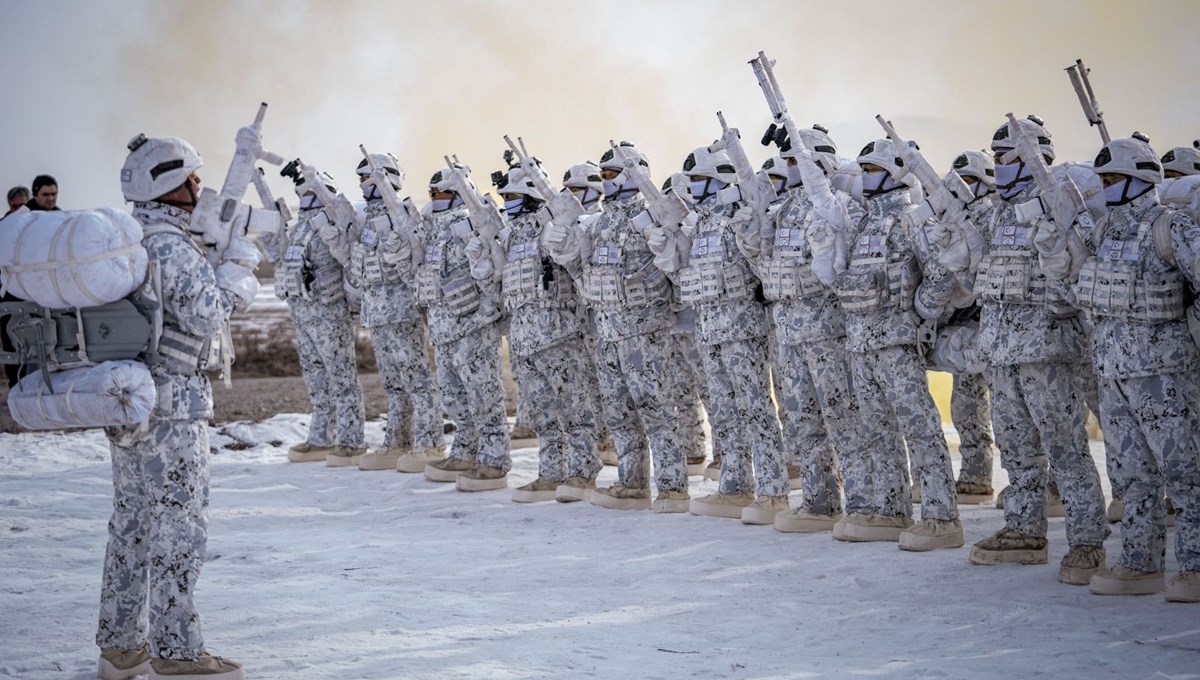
point(423, 79)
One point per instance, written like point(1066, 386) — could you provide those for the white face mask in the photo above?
point(309, 202)
point(587, 196)
point(1125, 191)
point(441, 204)
point(370, 191)
point(704, 188)
point(872, 182)
point(513, 206)
point(794, 178)
point(612, 188)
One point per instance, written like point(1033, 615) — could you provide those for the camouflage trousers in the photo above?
point(893, 390)
point(819, 414)
point(739, 385)
point(1038, 418)
point(636, 382)
point(325, 341)
point(414, 406)
point(551, 383)
point(1152, 437)
point(692, 397)
point(156, 538)
point(591, 383)
point(970, 412)
point(468, 372)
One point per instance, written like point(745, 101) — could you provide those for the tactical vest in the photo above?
point(606, 285)
point(297, 279)
point(531, 278)
point(459, 293)
point(873, 280)
point(715, 272)
point(177, 350)
point(364, 256)
point(788, 274)
point(1115, 282)
point(1010, 274)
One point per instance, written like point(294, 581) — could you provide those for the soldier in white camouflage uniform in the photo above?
point(310, 279)
point(635, 349)
point(959, 325)
point(812, 368)
point(545, 340)
point(1035, 346)
point(878, 292)
point(159, 526)
point(715, 278)
point(584, 180)
point(381, 258)
point(464, 326)
point(1137, 285)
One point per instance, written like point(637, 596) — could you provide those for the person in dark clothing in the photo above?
point(17, 197)
point(45, 194)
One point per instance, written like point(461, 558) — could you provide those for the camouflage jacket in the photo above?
point(543, 307)
point(443, 237)
point(191, 303)
point(391, 300)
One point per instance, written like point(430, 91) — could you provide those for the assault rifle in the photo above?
point(404, 209)
point(221, 217)
point(748, 180)
point(666, 210)
point(561, 206)
point(1078, 74)
point(484, 217)
point(1061, 201)
point(939, 197)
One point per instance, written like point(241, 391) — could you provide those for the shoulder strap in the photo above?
point(1162, 237)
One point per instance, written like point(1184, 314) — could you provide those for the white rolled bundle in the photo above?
point(62, 259)
point(111, 393)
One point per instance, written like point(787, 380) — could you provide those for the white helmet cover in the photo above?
point(1183, 159)
point(976, 164)
point(1001, 141)
point(610, 161)
point(441, 180)
point(1132, 157)
point(583, 176)
point(156, 166)
point(817, 140)
point(712, 164)
point(389, 164)
point(775, 166)
point(517, 181)
point(303, 188)
point(882, 152)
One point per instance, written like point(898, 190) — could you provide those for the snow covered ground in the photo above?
point(321, 574)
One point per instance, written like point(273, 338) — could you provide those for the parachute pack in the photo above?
point(89, 319)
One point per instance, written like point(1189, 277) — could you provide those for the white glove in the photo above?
point(555, 234)
point(482, 269)
point(329, 232)
point(396, 249)
point(239, 281)
point(474, 249)
point(656, 239)
point(242, 251)
point(249, 138)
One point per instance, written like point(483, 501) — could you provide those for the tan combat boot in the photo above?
point(344, 456)
point(575, 489)
point(482, 478)
point(1126, 581)
point(932, 534)
point(447, 469)
point(862, 528)
point(671, 502)
point(207, 667)
point(724, 505)
point(308, 453)
point(1185, 587)
point(970, 493)
point(1081, 563)
point(123, 664)
point(618, 497)
point(1009, 546)
point(382, 458)
point(536, 491)
point(764, 509)
point(800, 521)
point(416, 459)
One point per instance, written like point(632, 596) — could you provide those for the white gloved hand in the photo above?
point(249, 138)
point(242, 251)
point(396, 249)
point(239, 281)
point(329, 232)
point(656, 239)
point(482, 269)
point(474, 249)
point(555, 234)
